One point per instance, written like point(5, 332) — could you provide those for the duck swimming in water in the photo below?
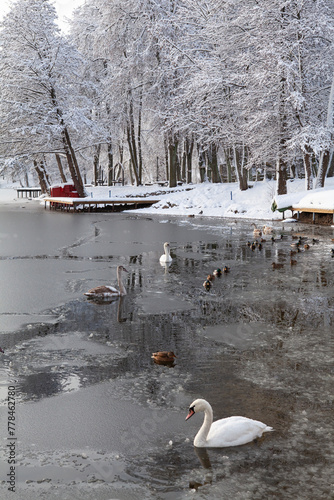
point(207, 284)
point(166, 358)
point(277, 265)
point(107, 291)
point(163, 355)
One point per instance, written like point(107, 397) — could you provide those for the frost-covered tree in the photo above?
point(250, 81)
point(287, 74)
point(42, 106)
point(246, 82)
point(197, 101)
point(116, 39)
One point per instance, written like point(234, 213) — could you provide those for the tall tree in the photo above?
point(117, 33)
point(39, 80)
point(284, 102)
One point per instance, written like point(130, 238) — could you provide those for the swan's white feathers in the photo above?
point(235, 431)
point(166, 257)
point(231, 431)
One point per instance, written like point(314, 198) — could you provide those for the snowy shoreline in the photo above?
point(206, 199)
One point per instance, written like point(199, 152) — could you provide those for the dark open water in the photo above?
point(95, 418)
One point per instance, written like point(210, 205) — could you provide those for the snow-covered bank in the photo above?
point(220, 200)
point(210, 200)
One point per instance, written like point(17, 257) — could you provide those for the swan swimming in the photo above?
point(106, 291)
point(256, 231)
point(166, 257)
point(231, 431)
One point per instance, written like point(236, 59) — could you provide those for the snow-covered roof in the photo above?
point(316, 198)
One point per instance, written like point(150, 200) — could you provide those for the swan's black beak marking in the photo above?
point(191, 413)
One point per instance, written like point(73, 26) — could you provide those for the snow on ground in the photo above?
point(207, 199)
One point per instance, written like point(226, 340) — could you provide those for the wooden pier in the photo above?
point(91, 204)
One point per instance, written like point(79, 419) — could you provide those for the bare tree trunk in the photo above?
point(60, 168)
point(325, 156)
point(213, 163)
point(173, 160)
point(131, 173)
point(281, 173)
point(133, 155)
point(241, 172)
point(307, 157)
point(73, 171)
point(121, 152)
point(281, 165)
point(189, 146)
point(81, 191)
point(228, 158)
point(42, 176)
point(131, 138)
point(26, 179)
point(140, 153)
point(322, 170)
point(166, 157)
point(96, 163)
point(110, 164)
point(201, 164)
point(178, 168)
point(183, 165)
point(69, 151)
point(330, 172)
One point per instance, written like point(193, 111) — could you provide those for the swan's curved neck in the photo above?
point(200, 438)
point(121, 286)
point(167, 253)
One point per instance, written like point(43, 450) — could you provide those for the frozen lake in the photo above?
point(97, 418)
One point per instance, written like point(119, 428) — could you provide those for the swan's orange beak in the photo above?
point(190, 414)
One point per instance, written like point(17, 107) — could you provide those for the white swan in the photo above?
point(166, 257)
point(267, 230)
point(106, 291)
point(231, 431)
point(256, 231)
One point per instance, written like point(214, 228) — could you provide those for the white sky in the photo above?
point(64, 9)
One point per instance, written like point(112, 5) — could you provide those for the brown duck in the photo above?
point(163, 357)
